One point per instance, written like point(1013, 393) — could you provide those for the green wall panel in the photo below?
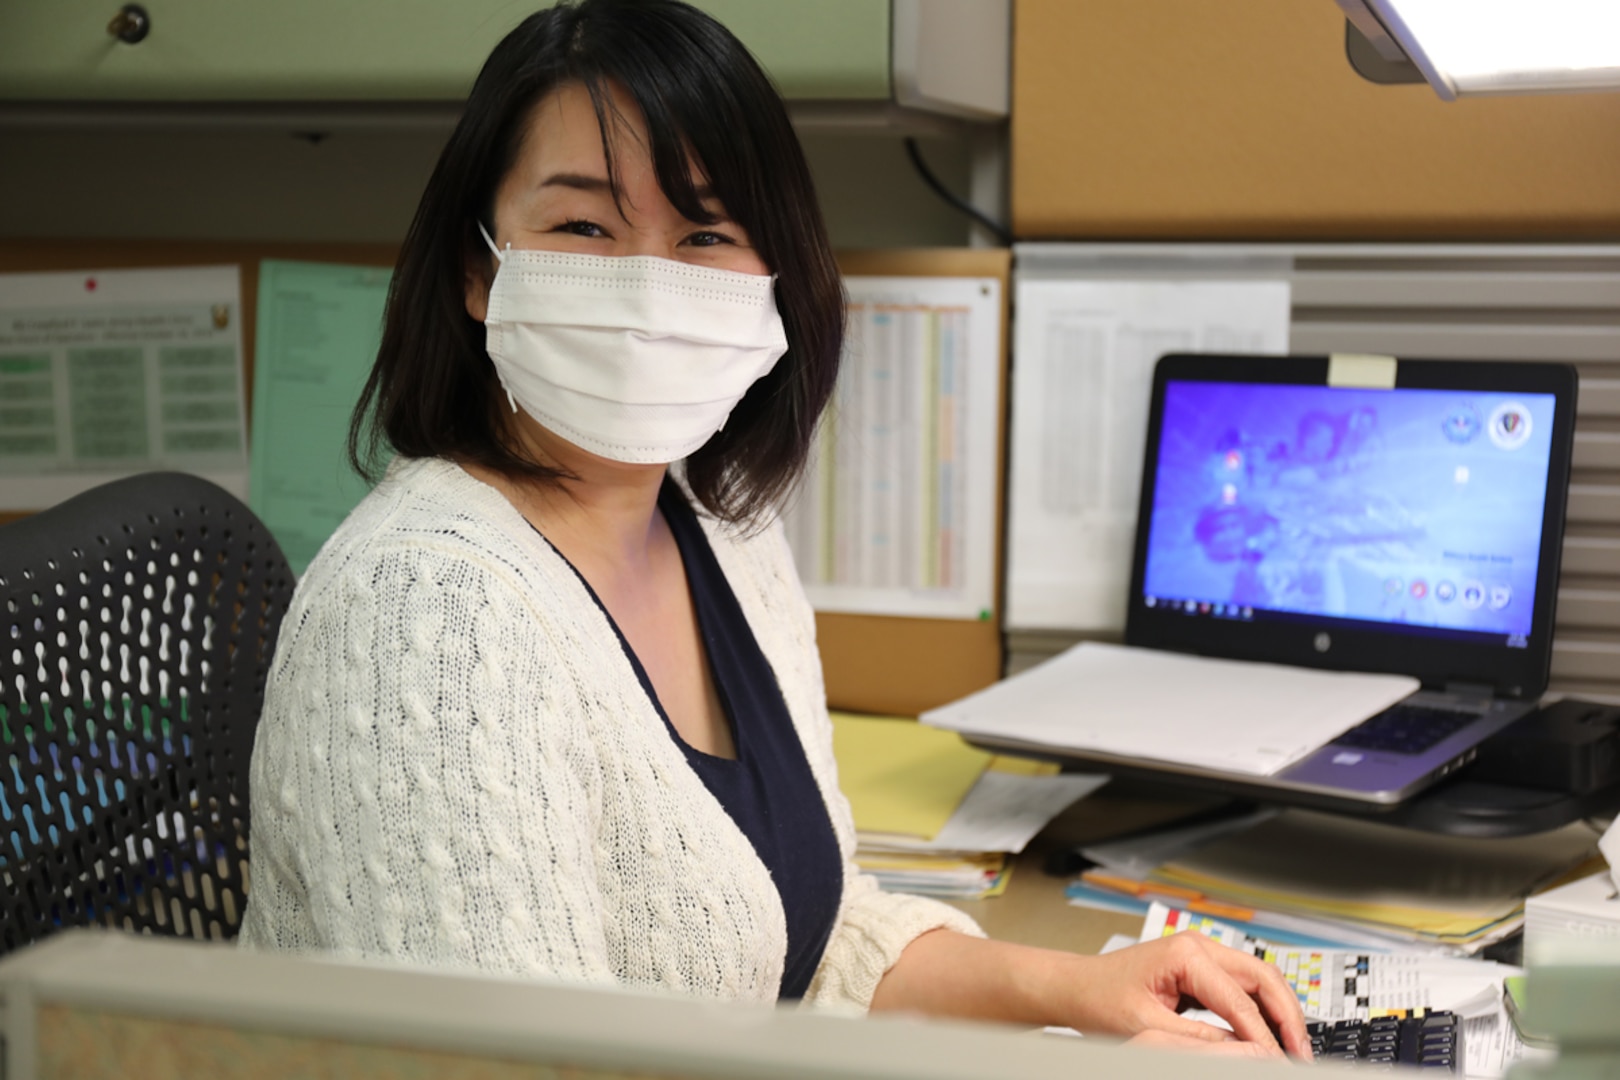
point(378, 50)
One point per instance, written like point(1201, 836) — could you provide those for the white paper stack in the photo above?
point(1578, 923)
point(1573, 923)
point(1230, 715)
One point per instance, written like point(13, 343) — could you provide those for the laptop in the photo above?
point(1384, 516)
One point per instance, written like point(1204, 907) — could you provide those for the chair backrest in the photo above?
point(139, 622)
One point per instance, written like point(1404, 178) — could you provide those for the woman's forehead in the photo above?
point(565, 138)
point(563, 128)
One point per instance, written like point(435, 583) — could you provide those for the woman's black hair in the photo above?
point(433, 391)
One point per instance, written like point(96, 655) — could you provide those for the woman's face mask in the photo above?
point(634, 358)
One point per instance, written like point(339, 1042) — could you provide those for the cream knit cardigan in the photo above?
point(457, 766)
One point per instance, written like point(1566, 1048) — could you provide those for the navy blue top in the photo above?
point(768, 790)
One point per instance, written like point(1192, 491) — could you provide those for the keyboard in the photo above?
point(1406, 729)
point(1430, 1040)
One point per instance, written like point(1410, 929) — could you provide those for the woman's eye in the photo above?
point(580, 227)
point(708, 239)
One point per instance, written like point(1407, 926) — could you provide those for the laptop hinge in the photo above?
point(1483, 691)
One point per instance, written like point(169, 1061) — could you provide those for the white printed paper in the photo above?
point(1004, 811)
point(106, 373)
point(1492, 1046)
point(1342, 984)
point(897, 512)
point(1085, 352)
point(1228, 715)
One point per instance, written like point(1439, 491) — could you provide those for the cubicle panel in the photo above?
point(94, 1006)
point(1501, 302)
point(398, 50)
point(1185, 119)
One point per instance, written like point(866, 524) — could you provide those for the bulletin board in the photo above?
point(40, 256)
point(897, 665)
point(1190, 120)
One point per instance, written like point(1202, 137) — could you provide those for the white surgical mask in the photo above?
point(637, 359)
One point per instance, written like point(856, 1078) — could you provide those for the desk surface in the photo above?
point(1034, 911)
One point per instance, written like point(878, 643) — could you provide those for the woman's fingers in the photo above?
point(1186, 1027)
point(1249, 994)
point(1277, 999)
point(1203, 977)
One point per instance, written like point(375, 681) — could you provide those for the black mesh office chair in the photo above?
point(139, 622)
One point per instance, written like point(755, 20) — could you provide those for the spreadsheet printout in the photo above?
point(897, 512)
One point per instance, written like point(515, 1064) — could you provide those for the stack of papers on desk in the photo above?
point(1344, 879)
point(936, 816)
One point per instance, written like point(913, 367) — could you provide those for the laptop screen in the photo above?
point(1416, 510)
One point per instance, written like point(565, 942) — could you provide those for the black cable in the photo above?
point(1002, 234)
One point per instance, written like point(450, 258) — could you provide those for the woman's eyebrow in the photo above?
point(600, 184)
point(578, 181)
point(705, 195)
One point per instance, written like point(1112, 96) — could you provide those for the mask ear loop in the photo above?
point(510, 400)
point(491, 242)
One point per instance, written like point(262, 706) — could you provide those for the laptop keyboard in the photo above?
point(1406, 729)
point(1431, 1040)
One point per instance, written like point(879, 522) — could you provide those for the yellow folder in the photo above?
point(901, 777)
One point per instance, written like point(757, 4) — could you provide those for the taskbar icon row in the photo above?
point(1200, 607)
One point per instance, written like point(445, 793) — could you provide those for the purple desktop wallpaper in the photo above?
point(1409, 506)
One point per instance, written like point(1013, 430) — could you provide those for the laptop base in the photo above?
point(1457, 806)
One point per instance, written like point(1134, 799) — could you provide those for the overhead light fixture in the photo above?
point(1487, 46)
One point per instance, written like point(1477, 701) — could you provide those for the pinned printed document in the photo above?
point(1228, 715)
point(897, 514)
point(1086, 347)
point(106, 373)
point(318, 331)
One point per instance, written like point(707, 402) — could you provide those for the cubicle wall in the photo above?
point(1186, 119)
point(88, 1005)
point(1553, 302)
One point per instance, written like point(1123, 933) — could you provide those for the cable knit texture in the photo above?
point(457, 767)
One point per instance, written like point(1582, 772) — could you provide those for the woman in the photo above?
point(539, 708)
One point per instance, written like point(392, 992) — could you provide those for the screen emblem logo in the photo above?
point(1509, 426)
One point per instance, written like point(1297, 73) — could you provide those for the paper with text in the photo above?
point(1085, 351)
point(318, 331)
point(1004, 811)
point(897, 512)
point(107, 373)
point(1351, 985)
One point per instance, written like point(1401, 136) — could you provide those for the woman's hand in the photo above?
point(1137, 992)
point(1134, 993)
